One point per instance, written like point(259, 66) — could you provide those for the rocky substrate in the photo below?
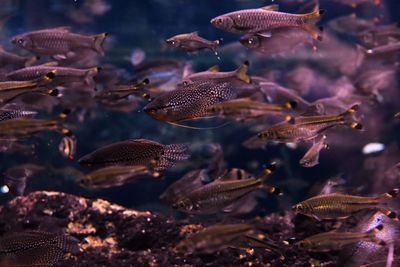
point(111, 235)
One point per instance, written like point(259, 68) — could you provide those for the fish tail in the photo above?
point(353, 109)
point(171, 154)
point(31, 60)
point(241, 72)
point(267, 171)
point(310, 20)
point(371, 234)
point(385, 199)
point(90, 73)
point(290, 105)
point(272, 190)
point(64, 114)
point(355, 125)
point(98, 42)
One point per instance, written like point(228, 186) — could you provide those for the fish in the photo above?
point(239, 75)
point(58, 42)
point(163, 74)
point(23, 127)
point(9, 90)
point(190, 102)
point(16, 177)
point(248, 108)
point(9, 114)
point(222, 193)
point(356, 3)
point(63, 75)
point(192, 42)
point(213, 238)
point(113, 176)
point(379, 35)
point(311, 157)
point(387, 48)
point(265, 19)
point(67, 147)
point(121, 91)
point(35, 248)
point(336, 240)
point(341, 206)
point(282, 40)
point(14, 61)
point(137, 152)
point(305, 128)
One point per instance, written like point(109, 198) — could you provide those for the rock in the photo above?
point(111, 235)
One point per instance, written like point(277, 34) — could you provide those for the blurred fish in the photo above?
point(63, 75)
point(10, 90)
point(16, 177)
point(15, 61)
point(162, 74)
point(350, 24)
point(379, 35)
point(339, 206)
point(215, 237)
point(388, 48)
point(23, 127)
point(192, 42)
point(356, 3)
point(262, 20)
point(376, 81)
point(15, 112)
point(67, 147)
point(120, 91)
point(34, 248)
point(115, 176)
point(137, 152)
point(245, 108)
point(311, 157)
point(337, 240)
point(281, 40)
point(222, 193)
point(190, 102)
point(59, 42)
point(305, 128)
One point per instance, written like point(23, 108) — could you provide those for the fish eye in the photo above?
point(298, 207)
point(20, 41)
point(219, 21)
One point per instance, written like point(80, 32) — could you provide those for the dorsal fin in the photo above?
point(63, 28)
point(241, 73)
point(273, 7)
point(214, 68)
point(50, 64)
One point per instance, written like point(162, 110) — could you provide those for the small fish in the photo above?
point(190, 102)
point(340, 206)
point(356, 3)
point(336, 240)
point(311, 157)
point(9, 90)
point(64, 75)
point(162, 74)
point(22, 127)
point(120, 91)
point(213, 73)
point(263, 20)
point(248, 108)
point(16, 177)
point(222, 193)
point(115, 176)
point(35, 248)
point(192, 42)
point(281, 41)
point(9, 114)
point(58, 42)
point(15, 61)
point(304, 128)
point(388, 48)
point(137, 152)
point(215, 237)
point(67, 147)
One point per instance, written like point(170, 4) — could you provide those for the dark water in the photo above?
point(144, 25)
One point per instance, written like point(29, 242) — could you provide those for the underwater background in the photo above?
point(137, 31)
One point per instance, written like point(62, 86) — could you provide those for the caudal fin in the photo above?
point(172, 154)
point(89, 75)
point(98, 43)
point(310, 20)
point(241, 72)
point(384, 199)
